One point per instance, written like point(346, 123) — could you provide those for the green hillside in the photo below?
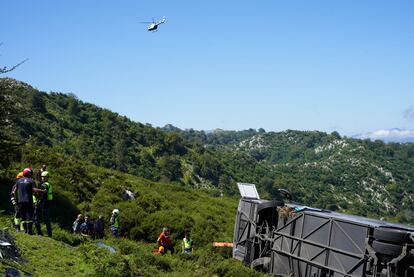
point(31, 136)
point(322, 170)
point(83, 187)
point(184, 179)
point(69, 255)
point(104, 138)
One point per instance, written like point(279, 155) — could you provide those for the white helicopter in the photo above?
point(153, 26)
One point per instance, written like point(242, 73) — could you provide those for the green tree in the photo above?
point(209, 167)
point(9, 111)
point(37, 102)
point(121, 154)
point(74, 107)
point(170, 167)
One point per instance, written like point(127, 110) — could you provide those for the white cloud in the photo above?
point(389, 135)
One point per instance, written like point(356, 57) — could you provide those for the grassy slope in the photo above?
point(81, 186)
point(51, 257)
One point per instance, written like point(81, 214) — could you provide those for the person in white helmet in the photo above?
point(115, 222)
point(43, 204)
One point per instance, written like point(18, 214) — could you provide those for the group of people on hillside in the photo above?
point(32, 200)
point(85, 226)
point(165, 244)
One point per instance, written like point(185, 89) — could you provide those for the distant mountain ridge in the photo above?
point(325, 170)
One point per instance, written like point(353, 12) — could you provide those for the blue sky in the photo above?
point(306, 65)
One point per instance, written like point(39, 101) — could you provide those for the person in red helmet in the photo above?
point(25, 187)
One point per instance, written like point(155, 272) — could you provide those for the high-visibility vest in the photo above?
point(49, 191)
point(187, 243)
point(116, 222)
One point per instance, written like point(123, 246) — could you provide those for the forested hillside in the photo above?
point(179, 178)
point(322, 170)
point(106, 139)
point(36, 130)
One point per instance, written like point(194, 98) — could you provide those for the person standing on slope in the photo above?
point(87, 227)
point(187, 243)
point(43, 203)
point(13, 198)
point(114, 221)
point(77, 224)
point(99, 228)
point(24, 190)
point(164, 241)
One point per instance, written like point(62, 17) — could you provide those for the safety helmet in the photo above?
point(20, 175)
point(27, 172)
point(115, 211)
point(161, 249)
point(45, 174)
point(165, 229)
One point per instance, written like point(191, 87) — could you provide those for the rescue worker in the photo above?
point(25, 187)
point(164, 241)
point(42, 205)
point(187, 243)
point(114, 221)
point(13, 198)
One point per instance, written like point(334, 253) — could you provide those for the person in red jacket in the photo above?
point(164, 241)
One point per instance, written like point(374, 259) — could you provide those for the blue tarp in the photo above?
point(103, 245)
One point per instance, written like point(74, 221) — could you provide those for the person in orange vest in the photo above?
point(164, 242)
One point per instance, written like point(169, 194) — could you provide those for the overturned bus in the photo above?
point(289, 239)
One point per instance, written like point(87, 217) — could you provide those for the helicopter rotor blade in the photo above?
point(162, 21)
